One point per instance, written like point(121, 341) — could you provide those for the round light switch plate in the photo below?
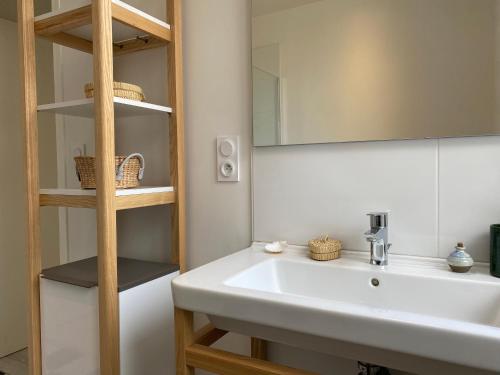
point(227, 148)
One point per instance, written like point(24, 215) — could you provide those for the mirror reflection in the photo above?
point(361, 70)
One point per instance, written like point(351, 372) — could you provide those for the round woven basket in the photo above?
point(325, 248)
point(129, 171)
point(324, 257)
point(120, 89)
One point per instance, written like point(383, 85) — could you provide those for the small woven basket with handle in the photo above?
point(120, 89)
point(325, 248)
point(129, 171)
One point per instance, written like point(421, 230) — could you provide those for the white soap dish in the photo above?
point(276, 247)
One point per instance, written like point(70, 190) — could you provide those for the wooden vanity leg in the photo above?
point(184, 337)
point(259, 348)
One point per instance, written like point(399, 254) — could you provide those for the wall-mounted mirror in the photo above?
point(360, 70)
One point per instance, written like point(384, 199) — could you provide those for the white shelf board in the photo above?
point(85, 108)
point(121, 32)
point(119, 193)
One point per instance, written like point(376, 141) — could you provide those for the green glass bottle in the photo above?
point(495, 250)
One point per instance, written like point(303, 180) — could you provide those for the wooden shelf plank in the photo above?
point(55, 22)
point(75, 201)
point(126, 202)
point(125, 198)
point(133, 29)
point(72, 41)
point(123, 108)
point(119, 192)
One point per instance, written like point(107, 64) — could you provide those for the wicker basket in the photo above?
point(129, 171)
point(325, 248)
point(121, 89)
point(324, 257)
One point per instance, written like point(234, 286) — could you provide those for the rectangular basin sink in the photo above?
point(415, 306)
point(353, 288)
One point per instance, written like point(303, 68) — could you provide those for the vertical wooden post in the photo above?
point(27, 67)
point(184, 337)
point(259, 348)
point(105, 178)
point(184, 334)
point(176, 95)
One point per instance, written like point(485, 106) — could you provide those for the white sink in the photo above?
point(419, 307)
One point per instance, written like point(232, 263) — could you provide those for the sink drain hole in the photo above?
point(375, 282)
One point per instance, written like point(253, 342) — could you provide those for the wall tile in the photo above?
point(303, 191)
point(469, 193)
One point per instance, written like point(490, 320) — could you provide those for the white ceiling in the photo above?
point(261, 7)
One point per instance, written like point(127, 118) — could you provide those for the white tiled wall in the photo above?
point(469, 198)
point(438, 191)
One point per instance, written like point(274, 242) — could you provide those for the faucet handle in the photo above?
point(379, 219)
point(370, 236)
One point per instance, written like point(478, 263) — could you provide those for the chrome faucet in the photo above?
point(378, 237)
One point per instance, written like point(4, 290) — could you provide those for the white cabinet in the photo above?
point(70, 321)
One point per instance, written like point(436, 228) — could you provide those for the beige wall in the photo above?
point(8, 10)
point(12, 215)
point(12, 280)
point(218, 102)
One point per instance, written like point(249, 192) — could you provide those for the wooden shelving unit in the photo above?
point(105, 28)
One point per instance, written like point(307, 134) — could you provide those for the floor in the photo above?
point(15, 364)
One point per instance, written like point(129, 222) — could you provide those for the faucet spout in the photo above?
point(378, 237)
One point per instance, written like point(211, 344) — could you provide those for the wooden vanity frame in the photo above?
point(194, 351)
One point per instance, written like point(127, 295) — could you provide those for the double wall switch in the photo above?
point(228, 158)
